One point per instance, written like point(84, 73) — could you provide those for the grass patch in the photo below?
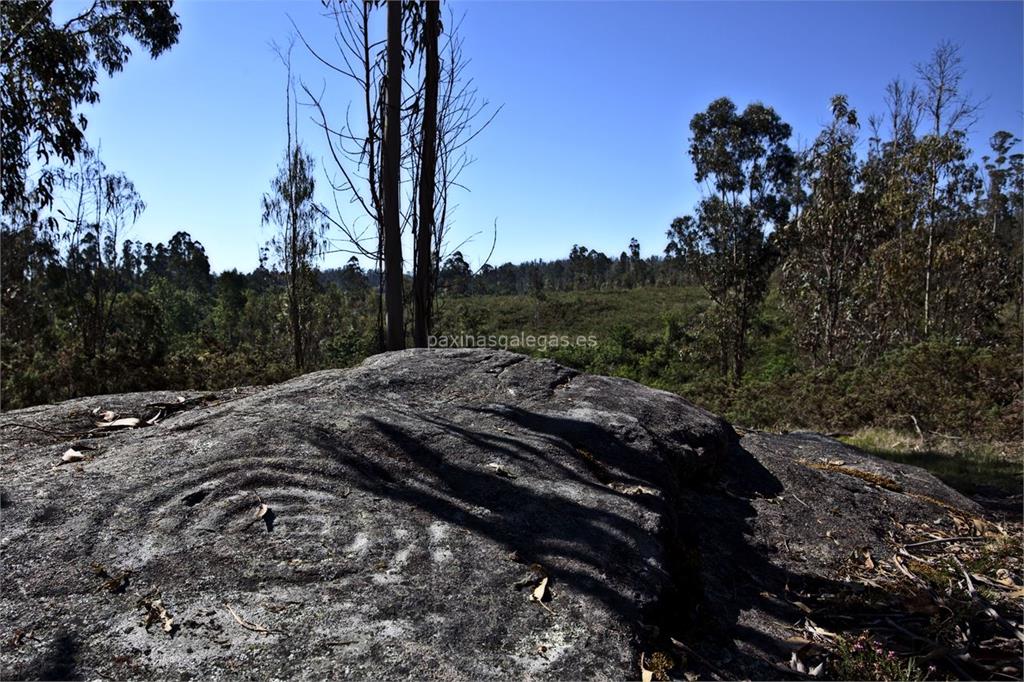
point(968, 466)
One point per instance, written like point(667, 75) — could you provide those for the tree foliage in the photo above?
point(745, 165)
point(50, 69)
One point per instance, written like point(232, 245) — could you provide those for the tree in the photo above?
point(98, 207)
point(827, 245)
point(951, 113)
point(50, 69)
point(745, 166)
point(292, 208)
point(922, 195)
point(358, 144)
point(391, 181)
point(1005, 191)
point(423, 275)
point(1005, 204)
point(456, 274)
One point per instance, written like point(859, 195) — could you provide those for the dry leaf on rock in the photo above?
point(125, 423)
point(500, 470)
point(156, 613)
point(72, 455)
point(540, 591)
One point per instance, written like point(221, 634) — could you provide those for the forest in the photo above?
point(870, 278)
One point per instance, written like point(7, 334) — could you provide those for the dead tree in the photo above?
point(431, 171)
point(423, 272)
point(391, 181)
point(356, 145)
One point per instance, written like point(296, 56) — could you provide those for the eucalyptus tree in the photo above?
point(50, 69)
point(391, 179)
point(827, 246)
point(949, 113)
point(412, 87)
point(96, 208)
point(291, 207)
point(423, 272)
point(745, 166)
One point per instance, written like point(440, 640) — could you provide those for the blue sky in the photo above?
point(590, 146)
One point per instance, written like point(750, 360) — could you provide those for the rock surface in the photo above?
point(429, 514)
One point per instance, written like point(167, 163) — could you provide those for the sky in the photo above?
point(590, 144)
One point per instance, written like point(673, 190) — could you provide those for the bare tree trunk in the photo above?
point(929, 266)
point(296, 324)
point(391, 181)
point(293, 293)
point(428, 175)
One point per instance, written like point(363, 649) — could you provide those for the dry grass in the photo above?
point(969, 466)
point(867, 476)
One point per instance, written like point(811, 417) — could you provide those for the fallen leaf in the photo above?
point(540, 591)
point(817, 631)
point(500, 470)
point(802, 606)
point(539, 582)
point(157, 613)
point(126, 422)
point(72, 455)
point(117, 585)
point(632, 489)
point(264, 512)
point(869, 562)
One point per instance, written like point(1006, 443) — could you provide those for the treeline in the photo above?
point(584, 269)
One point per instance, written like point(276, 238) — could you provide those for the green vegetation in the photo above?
point(864, 658)
point(653, 335)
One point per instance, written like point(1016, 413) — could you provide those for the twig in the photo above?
point(687, 649)
point(986, 605)
point(946, 435)
point(959, 538)
point(917, 428)
point(262, 629)
point(51, 432)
